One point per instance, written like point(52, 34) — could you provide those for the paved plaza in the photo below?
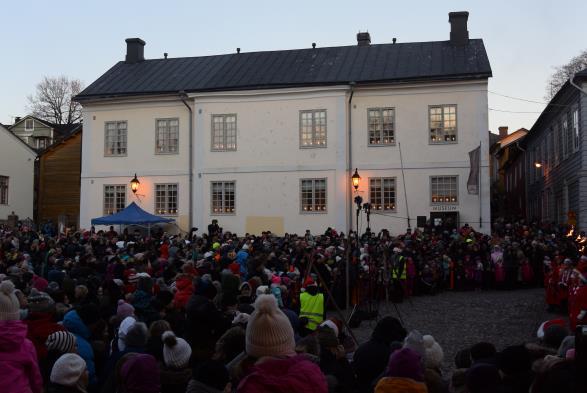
point(460, 319)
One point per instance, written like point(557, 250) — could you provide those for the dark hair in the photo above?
point(482, 350)
point(463, 358)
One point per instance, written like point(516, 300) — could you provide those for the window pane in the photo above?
point(3, 190)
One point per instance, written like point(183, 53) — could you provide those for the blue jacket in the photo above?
point(241, 258)
point(74, 324)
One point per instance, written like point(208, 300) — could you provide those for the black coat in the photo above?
point(205, 323)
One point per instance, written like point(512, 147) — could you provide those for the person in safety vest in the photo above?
point(312, 305)
point(398, 275)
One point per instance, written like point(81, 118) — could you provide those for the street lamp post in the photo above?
point(355, 181)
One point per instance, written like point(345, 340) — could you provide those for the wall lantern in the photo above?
point(134, 184)
point(538, 164)
point(356, 179)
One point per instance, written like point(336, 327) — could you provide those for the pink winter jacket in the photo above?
point(296, 374)
point(19, 370)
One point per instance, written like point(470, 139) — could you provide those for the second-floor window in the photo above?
point(3, 190)
point(115, 138)
point(42, 143)
point(382, 193)
point(166, 199)
point(444, 189)
point(443, 123)
point(167, 136)
point(575, 123)
point(313, 195)
point(29, 125)
point(223, 197)
point(381, 122)
point(313, 128)
point(224, 132)
point(114, 198)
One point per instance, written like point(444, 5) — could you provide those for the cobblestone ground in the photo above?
point(461, 319)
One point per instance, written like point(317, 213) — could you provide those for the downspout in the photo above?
point(183, 96)
point(350, 220)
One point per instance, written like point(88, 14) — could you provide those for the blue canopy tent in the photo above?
point(131, 215)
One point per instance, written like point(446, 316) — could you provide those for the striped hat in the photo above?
point(61, 341)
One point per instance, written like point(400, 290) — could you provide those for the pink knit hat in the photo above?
point(269, 332)
point(124, 309)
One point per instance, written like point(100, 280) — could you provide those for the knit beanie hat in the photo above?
point(68, 369)
point(123, 329)
point(40, 302)
point(61, 341)
point(415, 341)
point(327, 336)
point(124, 309)
point(9, 305)
point(176, 351)
point(406, 363)
point(433, 352)
point(269, 332)
point(140, 374)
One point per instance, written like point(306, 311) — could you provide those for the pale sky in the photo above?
point(524, 39)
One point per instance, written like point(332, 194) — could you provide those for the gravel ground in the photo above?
point(461, 319)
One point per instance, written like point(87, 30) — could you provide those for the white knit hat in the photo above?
point(68, 369)
point(433, 352)
point(9, 305)
point(269, 332)
point(124, 327)
point(176, 350)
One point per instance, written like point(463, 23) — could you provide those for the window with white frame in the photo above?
point(29, 125)
point(115, 138)
point(166, 199)
point(575, 123)
point(167, 136)
point(41, 143)
point(313, 195)
point(3, 190)
point(381, 123)
point(223, 197)
point(382, 193)
point(444, 190)
point(224, 132)
point(443, 123)
point(114, 198)
point(313, 128)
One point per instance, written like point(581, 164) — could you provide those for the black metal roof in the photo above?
point(381, 63)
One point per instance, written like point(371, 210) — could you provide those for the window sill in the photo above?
point(312, 213)
point(166, 154)
point(443, 143)
point(314, 147)
point(445, 204)
point(222, 151)
point(115, 155)
point(223, 214)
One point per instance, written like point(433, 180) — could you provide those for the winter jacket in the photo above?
point(205, 324)
point(74, 324)
point(199, 387)
point(283, 376)
point(19, 370)
point(185, 289)
point(40, 326)
point(400, 385)
point(175, 381)
point(241, 258)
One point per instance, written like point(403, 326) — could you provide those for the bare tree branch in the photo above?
point(53, 100)
point(562, 73)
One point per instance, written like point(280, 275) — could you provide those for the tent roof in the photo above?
point(132, 214)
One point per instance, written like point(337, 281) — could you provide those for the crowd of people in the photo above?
point(101, 311)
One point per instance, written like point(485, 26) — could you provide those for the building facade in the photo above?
point(39, 134)
point(269, 140)
point(556, 158)
point(17, 161)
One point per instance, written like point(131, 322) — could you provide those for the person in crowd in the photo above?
point(57, 344)
point(175, 370)
point(311, 306)
point(80, 323)
point(69, 375)
point(19, 368)
point(404, 373)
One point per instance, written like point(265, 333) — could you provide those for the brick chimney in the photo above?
point(459, 35)
point(363, 39)
point(135, 50)
point(503, 131)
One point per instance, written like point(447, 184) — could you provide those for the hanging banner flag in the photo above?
point(473, 181)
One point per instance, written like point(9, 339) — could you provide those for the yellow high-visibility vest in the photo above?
point(394, 272)
point(312, 307)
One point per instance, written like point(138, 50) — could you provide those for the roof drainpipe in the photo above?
point(349, 195)
point(183, 97)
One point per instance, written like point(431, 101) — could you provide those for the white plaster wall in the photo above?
point(17, 162)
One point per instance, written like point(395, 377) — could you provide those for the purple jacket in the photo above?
point(19, 370)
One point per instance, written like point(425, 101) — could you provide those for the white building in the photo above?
point(275, 136)
point(17, 176)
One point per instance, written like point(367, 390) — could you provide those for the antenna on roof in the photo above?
point(165, 55)
point(238, 50)
point(313, 45)
point(393, 40)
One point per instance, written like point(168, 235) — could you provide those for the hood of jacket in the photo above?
point(404, 385)
point(12, 336)
point(74, 324)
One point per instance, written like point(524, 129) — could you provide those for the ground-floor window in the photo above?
point(313, 195)
point(114, 198)
point(223, 197)
point(3, 190)
point(382, 193)
point(166, 199)
point(444, 190)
